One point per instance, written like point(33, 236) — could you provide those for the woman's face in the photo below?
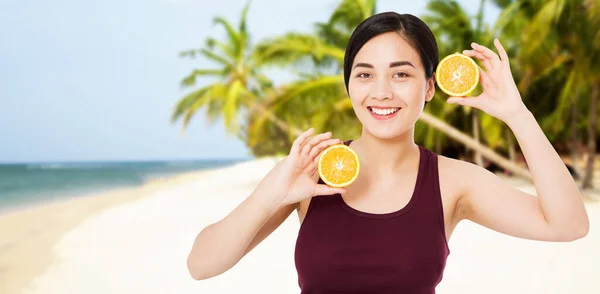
point(388, 87)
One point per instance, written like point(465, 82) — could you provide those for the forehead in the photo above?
point(389, 47)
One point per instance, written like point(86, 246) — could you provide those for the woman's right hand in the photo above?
point(295, 178)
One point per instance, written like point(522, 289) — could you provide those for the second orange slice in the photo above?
point(457, 74)
point(338, 166)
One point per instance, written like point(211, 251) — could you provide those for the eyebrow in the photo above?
point(393, 64)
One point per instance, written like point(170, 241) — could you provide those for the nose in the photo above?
point(381, 90)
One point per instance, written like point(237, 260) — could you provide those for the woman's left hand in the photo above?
point(500, 97)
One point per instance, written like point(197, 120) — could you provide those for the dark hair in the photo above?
point(410, 27)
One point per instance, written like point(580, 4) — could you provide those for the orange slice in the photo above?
point(457, 74)
point(338, 166)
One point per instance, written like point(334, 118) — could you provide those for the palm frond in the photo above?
point(542, 23)
point(214, 57)
point(350, 13)
point(243, 26)
point(243, 34)
point(293, 47)
point(231, 103)
point(232, 34)
point(190, 80)
point(189, 53)
point(185, 103)
point(343, 104)
point(208, 98)
point(298, 103)
point(323, 86)
point(555, 122)
point(494, 130)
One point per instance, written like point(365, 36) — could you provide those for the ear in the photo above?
point(430, 88)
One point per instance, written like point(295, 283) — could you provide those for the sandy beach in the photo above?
point(137, 240)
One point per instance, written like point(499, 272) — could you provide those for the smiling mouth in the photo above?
point(383, 111)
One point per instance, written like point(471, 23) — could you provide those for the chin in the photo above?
point(386, 132)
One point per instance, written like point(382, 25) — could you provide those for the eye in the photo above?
point(363, 75)
point(401, 75)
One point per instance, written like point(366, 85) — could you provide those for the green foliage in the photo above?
point(554, 46)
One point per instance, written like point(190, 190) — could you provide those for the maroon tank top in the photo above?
point(343, 250)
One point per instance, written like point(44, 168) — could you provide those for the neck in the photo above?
point(386, 156)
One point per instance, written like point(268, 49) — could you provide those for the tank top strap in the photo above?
point(432, 198)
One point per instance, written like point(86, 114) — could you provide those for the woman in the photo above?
point(388, 231)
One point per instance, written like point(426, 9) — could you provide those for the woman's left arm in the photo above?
point(558, 212)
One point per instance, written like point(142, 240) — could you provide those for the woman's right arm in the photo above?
point(219, 246)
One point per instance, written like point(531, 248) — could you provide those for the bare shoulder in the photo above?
point(463, 175)
point(453, 175)
point(450, 168)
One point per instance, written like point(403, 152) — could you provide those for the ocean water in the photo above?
point(23, 185)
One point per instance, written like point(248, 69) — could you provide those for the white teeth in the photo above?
point(384, 111)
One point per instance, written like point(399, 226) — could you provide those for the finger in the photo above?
point(314, 141)
point(489, 54)
point(321, 189)
point(484, 78)
point(300, 140)
point(502, 52)
point(316, 150)
point(486, 62)
point(465, 101)
point(310, 168)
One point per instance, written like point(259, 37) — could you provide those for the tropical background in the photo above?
point(126, 127)
point(555, 58)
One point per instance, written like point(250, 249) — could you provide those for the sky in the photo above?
point(97, 80)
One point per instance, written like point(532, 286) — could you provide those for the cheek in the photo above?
point(358, 92)
point(409, 91)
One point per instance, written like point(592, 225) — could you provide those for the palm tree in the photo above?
point(320, 99)
point(239, 86)
point(450, 23)
point(562, 41)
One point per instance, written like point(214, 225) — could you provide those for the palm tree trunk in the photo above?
point(574, 150)
point(591, 146)
point(475, 117)
point(486, 152)
point(274, 119)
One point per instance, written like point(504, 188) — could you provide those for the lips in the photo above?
point(382, 113)
point(383, 110)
